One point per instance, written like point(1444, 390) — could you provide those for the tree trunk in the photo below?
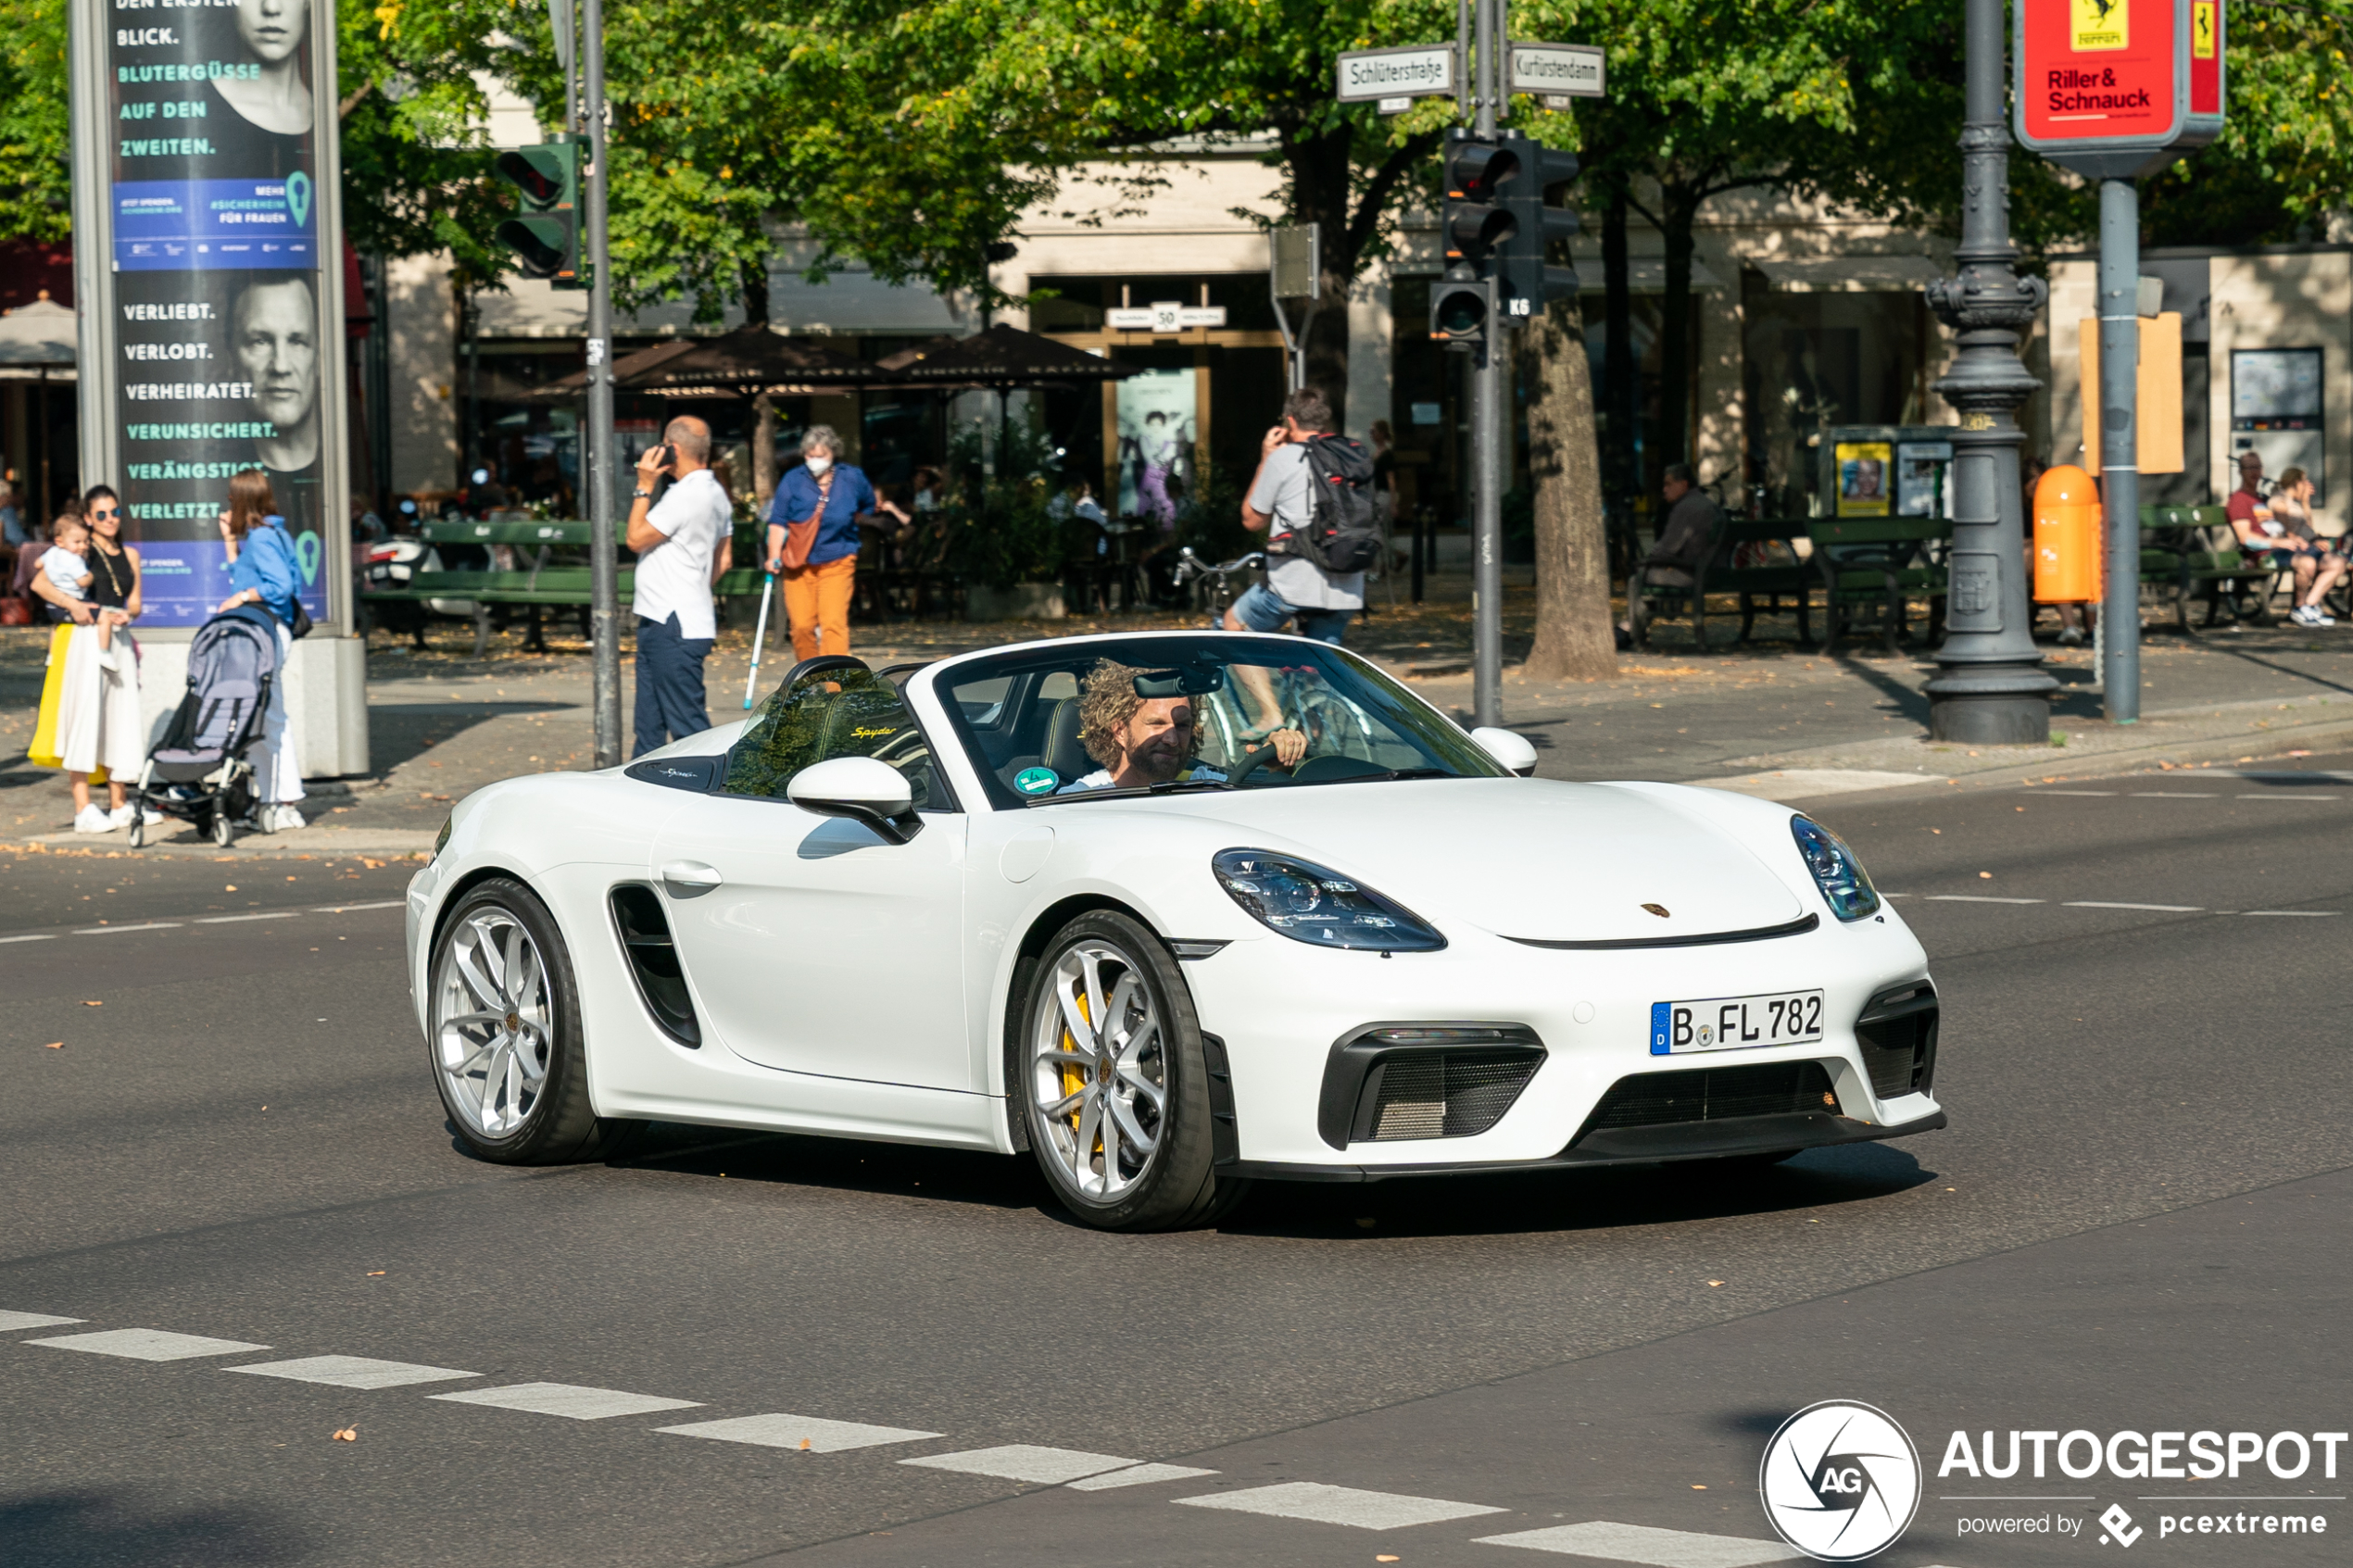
point(1621, 378)
point(764, 408)
point(1681, 211)
point(1575, 639)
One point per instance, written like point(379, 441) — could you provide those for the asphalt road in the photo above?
point(2138, 1221)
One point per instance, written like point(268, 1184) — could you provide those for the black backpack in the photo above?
point(1343, 531)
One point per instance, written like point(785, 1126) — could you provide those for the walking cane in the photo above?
point(759, 636)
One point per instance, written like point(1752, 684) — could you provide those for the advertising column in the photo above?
point(208, 256)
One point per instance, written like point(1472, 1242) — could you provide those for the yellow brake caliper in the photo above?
point(1074, 1078)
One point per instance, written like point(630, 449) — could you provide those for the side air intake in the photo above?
point(653, 962)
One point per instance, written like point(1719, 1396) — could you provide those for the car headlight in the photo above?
point(1309, 903)
point(1845, 886)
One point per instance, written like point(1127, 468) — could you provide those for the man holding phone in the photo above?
point(685, 545)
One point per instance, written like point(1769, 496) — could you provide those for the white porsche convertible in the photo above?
point(1170, 911)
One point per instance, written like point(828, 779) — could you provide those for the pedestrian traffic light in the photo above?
point(1476, 221)
point(1529, 284)
point(1462, 310)
point(545, 232)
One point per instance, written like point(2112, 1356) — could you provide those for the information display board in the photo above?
point(2112, 87)
point(224, 302)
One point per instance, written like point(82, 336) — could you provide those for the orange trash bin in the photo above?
point(2066, 538)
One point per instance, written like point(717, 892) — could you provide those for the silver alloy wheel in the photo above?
point(493, 1028)
point(1099, 1069)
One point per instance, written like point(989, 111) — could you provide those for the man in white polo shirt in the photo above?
point(684, 546)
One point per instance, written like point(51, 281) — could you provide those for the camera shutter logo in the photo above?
point(1841, 1481)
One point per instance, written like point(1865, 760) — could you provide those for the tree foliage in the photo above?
point(36, 190)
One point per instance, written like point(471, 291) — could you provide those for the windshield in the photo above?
point(1208, 711)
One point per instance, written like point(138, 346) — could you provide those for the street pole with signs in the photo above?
point(1295, 270)
point(2114, 93)
point(597, 457)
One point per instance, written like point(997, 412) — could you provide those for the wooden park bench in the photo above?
point(2193, 553)
point(1720, 573)
point(1879, 563)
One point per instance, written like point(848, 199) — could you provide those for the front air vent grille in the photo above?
point(1452, 1094)
point(1897, 1034)
point(645, 938)
point(1715, 1094)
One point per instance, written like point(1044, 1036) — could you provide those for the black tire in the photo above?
point(550, 1122)
point(1177, 1186)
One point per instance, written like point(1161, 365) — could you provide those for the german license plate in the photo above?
point(1729, 1024)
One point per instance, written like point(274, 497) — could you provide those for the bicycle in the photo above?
point(1221, 594)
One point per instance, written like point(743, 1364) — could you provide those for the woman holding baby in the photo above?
point(88, 722)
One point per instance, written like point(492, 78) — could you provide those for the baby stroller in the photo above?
point(198, 770)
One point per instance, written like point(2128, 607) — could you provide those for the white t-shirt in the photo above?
point(65, 570)
point(1284, 492)
point(674, 578)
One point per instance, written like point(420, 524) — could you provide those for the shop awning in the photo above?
point(740, 363)
point(1002, 357)
point(40, 335)
point(1851, 274)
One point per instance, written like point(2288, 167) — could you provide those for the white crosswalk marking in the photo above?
point(1139, 1476)
point(1024, 1461)
point(32, 1319)
point(146, 1344)
point(1338, 1505)
point(565, 1399)
point(1642, 1543)
point(353, 1372)
point(795, 1431)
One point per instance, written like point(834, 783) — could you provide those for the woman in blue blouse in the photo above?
point(817, 592)
point(265, 570)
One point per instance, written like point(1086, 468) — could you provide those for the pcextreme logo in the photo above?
point(1841, 1481)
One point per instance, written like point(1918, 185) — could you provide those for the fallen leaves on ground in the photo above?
point(348, 1434)
point(94, 1004)
point(55, 1046)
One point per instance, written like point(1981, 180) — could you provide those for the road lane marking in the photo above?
point(1139, 1476)
point(2103, 794)
point(797, 1432)
point(32, 1319)
point(1321, 1504)
point(353, 1372)
point(2298, 799)
point(2296, 914)
point(352, 909)
point(566, 1400)
point(146, 1344)
point(37, 936)
point(2161, 908)
point(117, 930)
point(225, 919)
point(1644, 1543)
point(2171, 795)
point(1024, 1461)
point(1978, 898)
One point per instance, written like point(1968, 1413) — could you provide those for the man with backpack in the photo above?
point(1313, 496)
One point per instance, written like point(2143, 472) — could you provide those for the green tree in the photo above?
point(36, 194)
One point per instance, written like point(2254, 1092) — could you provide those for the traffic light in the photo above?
point(1476, 221)
point(1528, 283)
point(1462, 310)
point(545, 232)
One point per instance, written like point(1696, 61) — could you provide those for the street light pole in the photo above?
point(604, 616)
point(1487, 459)
point(1991, 688)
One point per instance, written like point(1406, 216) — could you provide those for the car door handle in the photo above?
point(691, 874)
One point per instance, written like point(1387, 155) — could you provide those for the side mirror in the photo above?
point(858, 787)
point(1513, 751)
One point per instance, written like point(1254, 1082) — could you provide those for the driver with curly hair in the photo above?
point(1148, 740)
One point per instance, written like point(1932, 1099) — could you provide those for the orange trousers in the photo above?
point(817, 601)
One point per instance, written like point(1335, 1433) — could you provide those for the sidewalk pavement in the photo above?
point(1770, 718)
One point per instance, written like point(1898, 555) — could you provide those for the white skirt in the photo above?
point(98, 709)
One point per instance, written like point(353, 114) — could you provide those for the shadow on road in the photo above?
point(93, 1527)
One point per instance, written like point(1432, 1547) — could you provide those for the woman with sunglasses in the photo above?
point(95, 732)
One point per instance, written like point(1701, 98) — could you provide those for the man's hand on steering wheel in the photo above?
point(1283, 747)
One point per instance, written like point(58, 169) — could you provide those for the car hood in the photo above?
point(1534, 859)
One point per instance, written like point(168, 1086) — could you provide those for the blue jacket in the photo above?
point(267, 563)
point(837, 530)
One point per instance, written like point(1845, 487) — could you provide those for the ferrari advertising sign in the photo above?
point(2109, 86)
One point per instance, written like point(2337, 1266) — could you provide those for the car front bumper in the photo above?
point(1285, 1012)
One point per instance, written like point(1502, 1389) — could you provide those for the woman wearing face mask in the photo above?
point(812, 540)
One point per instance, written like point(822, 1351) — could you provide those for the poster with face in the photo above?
point(217, 254)
point(1157, 419)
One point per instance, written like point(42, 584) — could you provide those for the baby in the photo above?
point(65, 564)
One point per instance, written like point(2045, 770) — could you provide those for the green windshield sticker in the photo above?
point(1037, 781)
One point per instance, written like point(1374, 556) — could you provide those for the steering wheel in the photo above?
point(1251, 762)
